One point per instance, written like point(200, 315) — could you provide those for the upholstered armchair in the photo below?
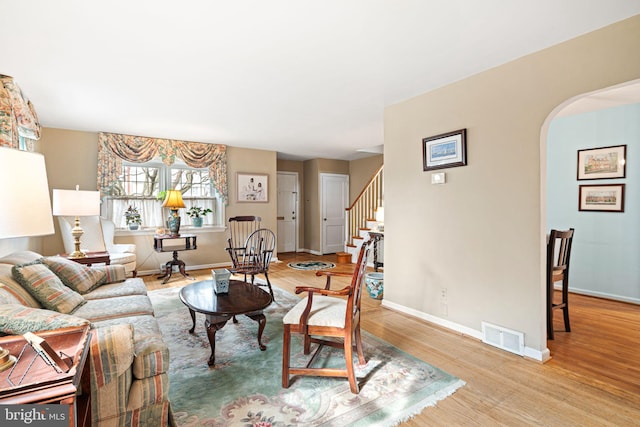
point(98, 237)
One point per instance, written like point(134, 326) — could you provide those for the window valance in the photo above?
point(17, 116)
point(113, 148)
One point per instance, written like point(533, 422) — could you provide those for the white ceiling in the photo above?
point(305, 78)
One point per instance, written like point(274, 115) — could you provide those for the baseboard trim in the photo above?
point(529, 353)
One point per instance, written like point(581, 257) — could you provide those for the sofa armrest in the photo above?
point(114, 273)
point(111, 353)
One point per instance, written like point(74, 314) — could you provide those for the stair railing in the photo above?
point(364, 206)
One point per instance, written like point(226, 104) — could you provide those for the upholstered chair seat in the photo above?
point(325, 311)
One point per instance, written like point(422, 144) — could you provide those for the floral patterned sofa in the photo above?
point(128, 359)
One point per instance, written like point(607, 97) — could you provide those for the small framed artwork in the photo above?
point(447, 150)
point(252, 187)
point(601, 198)
point(602, 163)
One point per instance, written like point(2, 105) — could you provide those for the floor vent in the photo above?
point(503, 338)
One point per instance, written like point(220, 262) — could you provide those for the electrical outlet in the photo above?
point(443, 301)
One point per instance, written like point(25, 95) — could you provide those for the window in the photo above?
point(141, 185)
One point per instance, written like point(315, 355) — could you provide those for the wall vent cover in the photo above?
point(503, 338)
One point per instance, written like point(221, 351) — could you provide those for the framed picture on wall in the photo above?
point(602, 163)
point(447, 150)
point(601, 198)
point(252, 187)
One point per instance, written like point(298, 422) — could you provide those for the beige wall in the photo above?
point(480, 236)
point(360, 172)
point(71, 158)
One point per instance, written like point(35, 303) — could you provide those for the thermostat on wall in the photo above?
point(438, 178)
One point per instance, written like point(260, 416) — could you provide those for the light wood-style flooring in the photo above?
point(593, 378)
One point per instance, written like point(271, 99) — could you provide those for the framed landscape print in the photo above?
point(445, 151)
point(601, 198)
point(602, 163)
point(252, 187)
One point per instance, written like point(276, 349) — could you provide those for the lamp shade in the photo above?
point(76, 203)
point(26, 207)
point(380, 214)
point(173, 199)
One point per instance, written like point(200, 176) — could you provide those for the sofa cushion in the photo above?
point(10, 286)
point(113, 273)
point(78, 277)
point(47, 288)
point(113, 308)
point(151, 352)
point(20, 257)
point(16, 319)
point(132, 286)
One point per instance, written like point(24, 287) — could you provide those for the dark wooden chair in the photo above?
point(256, 256)
point(240, 227)
point(558, 258)
point(327, 313)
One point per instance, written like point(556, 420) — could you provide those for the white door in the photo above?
point(334, 193)
point(287, 211)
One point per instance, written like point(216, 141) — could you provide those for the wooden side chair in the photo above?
point(327, 313)
point(558, 257)
point(240, 227)
point(256, 256)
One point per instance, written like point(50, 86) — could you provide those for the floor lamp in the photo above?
point(76, 203)
point(27, 208)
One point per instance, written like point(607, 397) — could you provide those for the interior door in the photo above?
point(334, 193)
point(287, 211)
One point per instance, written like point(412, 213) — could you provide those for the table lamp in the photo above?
point(28, 212)
point(173, 201)
point(76, 203)
point(380, 218)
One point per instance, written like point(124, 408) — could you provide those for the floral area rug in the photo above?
point(311, 265)
point(244, 388)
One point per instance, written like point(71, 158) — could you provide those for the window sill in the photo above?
point(183, 229)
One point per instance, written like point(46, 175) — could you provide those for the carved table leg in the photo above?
point(168, 268)
point(213, 326)
point(262, 321)
point(193, 320)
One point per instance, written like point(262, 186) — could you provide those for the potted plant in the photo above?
point(132, 217)
point(197, 213)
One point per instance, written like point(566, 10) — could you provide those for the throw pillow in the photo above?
point(45, 286)
point(16, 319)
point(78, 277)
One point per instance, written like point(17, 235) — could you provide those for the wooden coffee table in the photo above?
point(243, 298)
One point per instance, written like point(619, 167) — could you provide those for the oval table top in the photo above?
point(242, 298)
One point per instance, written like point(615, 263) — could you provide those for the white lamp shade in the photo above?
point(380, 214)
point(76, 202)
point(26, 207)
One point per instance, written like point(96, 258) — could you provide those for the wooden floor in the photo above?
point(593, 378)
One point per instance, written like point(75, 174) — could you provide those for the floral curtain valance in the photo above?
point(113, 148)
point(17, 116)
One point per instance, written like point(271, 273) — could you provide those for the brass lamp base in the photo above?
point(6, 359)
point(76, 232)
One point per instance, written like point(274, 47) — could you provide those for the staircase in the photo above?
point(360, 216)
